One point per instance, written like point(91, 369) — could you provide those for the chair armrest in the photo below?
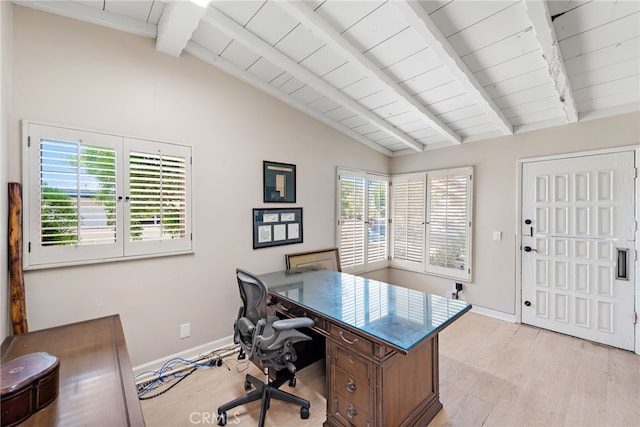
point(294, 323)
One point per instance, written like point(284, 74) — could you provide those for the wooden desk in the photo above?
point(96, 379)
point(381, 343)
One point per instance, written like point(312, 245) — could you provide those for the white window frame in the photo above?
point(424, 265)
point(39, 256)
point(366, 265)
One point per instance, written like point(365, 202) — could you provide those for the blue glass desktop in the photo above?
point(399, 316)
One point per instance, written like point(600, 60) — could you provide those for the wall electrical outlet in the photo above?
point(185, 330)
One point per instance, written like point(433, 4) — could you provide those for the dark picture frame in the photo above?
point(276, 227)
point(279, 182)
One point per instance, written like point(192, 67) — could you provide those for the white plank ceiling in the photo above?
point(404, 76)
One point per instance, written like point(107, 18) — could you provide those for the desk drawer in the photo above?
point(353, 390)
point(291, 310)
point(353, 342)
point(353, 365)
point(349, 414)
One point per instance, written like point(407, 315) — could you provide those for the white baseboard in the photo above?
point(494, 313)
point(190, 354)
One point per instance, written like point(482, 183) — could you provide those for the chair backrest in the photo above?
point(325, 258)
point(254, 295)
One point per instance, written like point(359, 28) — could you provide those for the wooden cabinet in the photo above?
point(371, 385)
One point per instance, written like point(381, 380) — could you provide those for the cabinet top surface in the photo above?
point(399, 316)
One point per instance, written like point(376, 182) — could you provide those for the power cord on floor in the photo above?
point(176, 370)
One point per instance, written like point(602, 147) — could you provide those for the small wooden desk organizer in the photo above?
point(29, 383)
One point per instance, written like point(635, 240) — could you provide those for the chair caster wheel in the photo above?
point(292, 382)
point(304, 413)
point(247, 385)
point(222, 419)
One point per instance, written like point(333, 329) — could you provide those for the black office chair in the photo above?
point(268, 341)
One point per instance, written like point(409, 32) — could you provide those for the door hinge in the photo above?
point(29, 141)
point(29, 247)
point(388, 257)
point(635, 318)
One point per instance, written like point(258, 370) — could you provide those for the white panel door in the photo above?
point(578, 227)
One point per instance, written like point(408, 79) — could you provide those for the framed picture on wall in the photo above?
point(279, 182)
point(274, 227)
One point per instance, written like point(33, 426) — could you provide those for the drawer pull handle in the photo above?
point(355, 340)
point(351, 412)
point(351, 386)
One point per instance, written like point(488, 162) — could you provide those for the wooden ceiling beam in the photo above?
point(232, 29)
point(540, 18)
point(82, 12)
point(178, 21)
point(421, 22)
point(325, 32)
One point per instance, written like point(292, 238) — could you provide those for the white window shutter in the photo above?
point(352, 226)
point(408, 221)
point(157, 196)
point(449, 222)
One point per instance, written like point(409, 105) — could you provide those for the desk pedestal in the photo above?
point(370, 384)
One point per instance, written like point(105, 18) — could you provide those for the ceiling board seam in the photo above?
point(582, 54)
point(482, 20)
point(515, 77)
point(516, 34)
point(421, 74)
point(529, 52)
point(361, 19)
point(388, 38)
point(403, 59)
point(522, 90)
point(232, 29)
point(323, 30)
point(434, 87)
point(150, 9)
point(598, 26)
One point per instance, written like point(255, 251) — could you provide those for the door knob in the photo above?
point(527, 303)
point(529, 249)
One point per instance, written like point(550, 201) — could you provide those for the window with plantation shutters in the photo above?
point(449, 223)
point(432, 222)
point(362, 220)
point(408, 220)
point(157, 196)
point(85, 201)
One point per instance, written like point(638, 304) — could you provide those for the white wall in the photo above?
point(6, 10)
point(495, 199)
point(71, 73)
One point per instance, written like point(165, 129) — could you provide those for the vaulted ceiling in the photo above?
point(406, 76)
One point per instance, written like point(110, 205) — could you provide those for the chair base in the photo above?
point(265, 392)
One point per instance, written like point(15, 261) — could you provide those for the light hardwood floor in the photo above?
point(492, 373)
